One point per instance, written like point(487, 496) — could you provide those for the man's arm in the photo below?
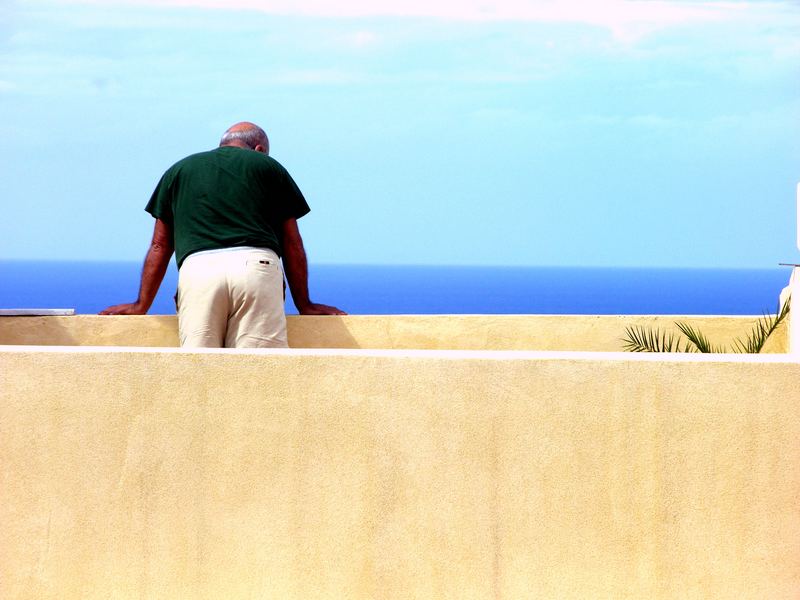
point(155, 265)
point(296, 267)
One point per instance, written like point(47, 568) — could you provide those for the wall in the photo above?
point(158, 473)
point(468, 332)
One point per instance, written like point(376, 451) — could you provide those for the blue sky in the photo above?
point(518, 132)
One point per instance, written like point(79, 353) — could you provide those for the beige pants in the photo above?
point(231, 298)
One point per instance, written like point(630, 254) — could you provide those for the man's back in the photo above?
point(225, 198)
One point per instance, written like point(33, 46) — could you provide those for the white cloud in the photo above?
point(362, 39)
point(789, 51)
point(653, 121)
point(626, 19)
point(313, 77)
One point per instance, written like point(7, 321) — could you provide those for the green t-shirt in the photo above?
point(225, 198)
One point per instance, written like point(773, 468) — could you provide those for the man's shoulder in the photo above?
point(189, 162)
point(230, 158)
point(258, 159)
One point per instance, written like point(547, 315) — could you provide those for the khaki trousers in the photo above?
point(231, 298)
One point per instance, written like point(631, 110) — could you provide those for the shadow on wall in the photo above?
point(319, 332)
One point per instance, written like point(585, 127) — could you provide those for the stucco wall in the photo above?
point(467, 332)
point(397, 474)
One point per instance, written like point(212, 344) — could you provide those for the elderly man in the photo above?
point(229, 215)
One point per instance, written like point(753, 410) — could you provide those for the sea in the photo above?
point(89, 287)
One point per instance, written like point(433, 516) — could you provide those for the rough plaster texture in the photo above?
point(397, 474)
point(467, 332)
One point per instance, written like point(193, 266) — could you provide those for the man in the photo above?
point(229, 215)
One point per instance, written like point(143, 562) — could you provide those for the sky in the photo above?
point(612, 133)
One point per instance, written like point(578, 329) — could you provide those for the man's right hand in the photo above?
point(132, 308)
point(312, 308)
point(155, 265)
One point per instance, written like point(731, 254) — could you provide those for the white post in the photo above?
point(794, 290)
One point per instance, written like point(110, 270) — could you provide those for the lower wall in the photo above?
point(397, 474)
point(465, 332)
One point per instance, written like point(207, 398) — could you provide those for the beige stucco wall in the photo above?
point(468, 332)
point(143, 473)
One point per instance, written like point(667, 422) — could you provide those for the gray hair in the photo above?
point(251, 137)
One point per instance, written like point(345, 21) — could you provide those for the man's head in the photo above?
point(246, 135)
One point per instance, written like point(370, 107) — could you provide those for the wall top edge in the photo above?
point(16, 313)
point(499, 355)
point(36, 312)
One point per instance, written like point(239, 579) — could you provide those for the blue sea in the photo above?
point(88, 287)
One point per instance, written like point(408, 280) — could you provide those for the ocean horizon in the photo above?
point(90, 286)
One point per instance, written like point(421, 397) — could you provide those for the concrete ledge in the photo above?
point(397, 474)
point(468, 332)
point(35, 312)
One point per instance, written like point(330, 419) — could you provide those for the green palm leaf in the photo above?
point(764, 327)
point(640, 338)
point(697, 338)
point(644, 339)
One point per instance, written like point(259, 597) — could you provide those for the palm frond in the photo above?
point(640, 338)
point(644, 339)
point(764, 327)
point(698, 339)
